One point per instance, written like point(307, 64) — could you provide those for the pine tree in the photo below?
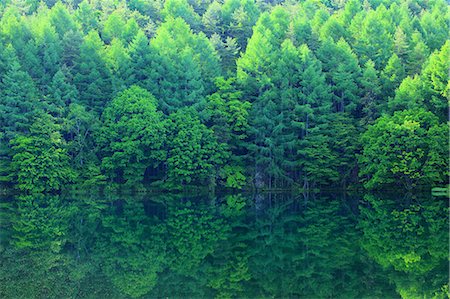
point(140, 58)
point(62, 20)
point(114, 27)
point(19, 98)
point(417, 55)
point(181, 9)
point(401, 45)
point(435, 76)
point(92, 77)
point(392, 75)
point(372, 105)
point(49, 52)
point(374, 39)
point(185, 66)
point(343, 72)
point(61, 93)
point(118, 61)
point(71, 43)
point(86, 16)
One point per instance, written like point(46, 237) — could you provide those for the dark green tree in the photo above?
point(19, 98)
point(92, 77)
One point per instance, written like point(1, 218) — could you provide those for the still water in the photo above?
point(221, 246)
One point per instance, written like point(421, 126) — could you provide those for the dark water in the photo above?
point(241, 246)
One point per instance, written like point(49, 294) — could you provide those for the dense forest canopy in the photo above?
point(230, 93)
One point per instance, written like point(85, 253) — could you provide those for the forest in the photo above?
point(235, 94)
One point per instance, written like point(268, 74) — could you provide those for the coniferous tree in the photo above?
point(92, 77)
point(372, 105)
point(61, 93)
point(19, 98)
point(185, 66)
point(343, 72)
point(118, 61)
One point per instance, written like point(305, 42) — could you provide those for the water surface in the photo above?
point(220, 246)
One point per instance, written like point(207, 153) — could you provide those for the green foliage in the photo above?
point(132, 135)
point(186, 66)
point(19, 98)
point(181, 9)
point(410, 237)
point(40, 161)
point(343, 71)
point(79, 128)
point(132, 259)
point(113, 27)
point(193, 151)
point(193, 235)
point(93, 79)
point(279, 92)
point(240, 245)
point(404, 149)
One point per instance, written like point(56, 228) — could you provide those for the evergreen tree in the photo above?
point(86, 16)
point(392, 75)
point(49, 52)
point(19, 99)
point(435, 76)
point(343, 72)
point(374, 38)
point(71, 44)
point(181, 9)
point(114, 27)
point(418, 55)
point(61, 94)
point(140, 58)
point(185, 68)
point(92, 77)
point(62, 20)
point(118, 62)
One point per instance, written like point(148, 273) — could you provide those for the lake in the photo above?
point(283, 245)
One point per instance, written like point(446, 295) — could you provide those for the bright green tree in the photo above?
point(193, 151)
point(132, 136)
point(404, 150)
point(181, 9)
point(93, 78)
point(40, 161)
point(343, 73)
point(185, 70)
point(19, 98)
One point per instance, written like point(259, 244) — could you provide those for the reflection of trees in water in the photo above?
point(33, 264)
point(408, 237)
point(227, 246)
point(307, 248)
point(130, 248)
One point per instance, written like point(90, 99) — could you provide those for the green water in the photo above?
point(241, 246)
